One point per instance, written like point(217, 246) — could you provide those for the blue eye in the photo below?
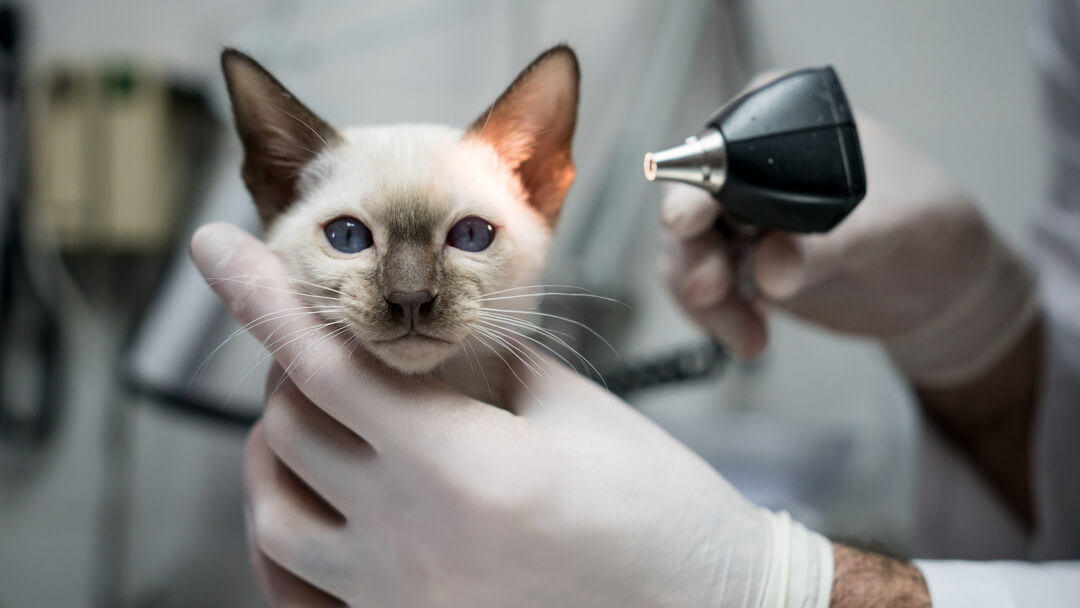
point(471, 234)
point(348, 235)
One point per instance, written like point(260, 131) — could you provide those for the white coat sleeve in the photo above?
point(955, 584)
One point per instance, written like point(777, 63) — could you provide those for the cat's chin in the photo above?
point(413, 354)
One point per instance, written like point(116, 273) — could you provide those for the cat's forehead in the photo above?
point(410, 177)
point(410, 180)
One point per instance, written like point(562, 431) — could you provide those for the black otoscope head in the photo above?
point(783, 156)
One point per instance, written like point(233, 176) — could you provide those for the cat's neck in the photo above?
point(480, 373)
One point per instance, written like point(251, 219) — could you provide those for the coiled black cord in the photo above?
point(682, 365)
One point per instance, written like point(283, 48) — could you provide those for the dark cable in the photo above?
point(682, 365)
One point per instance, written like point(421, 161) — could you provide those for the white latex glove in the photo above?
point(384, 490)
point(915, 265)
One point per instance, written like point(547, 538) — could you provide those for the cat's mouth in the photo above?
point(412, 351)
point(413, 337)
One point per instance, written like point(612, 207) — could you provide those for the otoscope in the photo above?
point(784, 156)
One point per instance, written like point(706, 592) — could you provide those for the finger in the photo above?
point(698, 271)
point(786, 265)
point(284, 589)
point(368, 398)
point(688, 212)
point(706, 280)
point(288, 522)
point(779, 266)
point(314, 446)
point(705, 294)
point(737, 324)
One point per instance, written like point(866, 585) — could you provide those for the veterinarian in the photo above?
point(385, 494)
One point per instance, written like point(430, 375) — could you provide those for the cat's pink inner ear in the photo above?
point(531, 127)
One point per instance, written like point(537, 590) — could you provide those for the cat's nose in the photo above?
point(411, 306)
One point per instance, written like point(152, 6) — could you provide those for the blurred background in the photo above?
point(120, 460)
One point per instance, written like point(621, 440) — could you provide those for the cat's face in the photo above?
point(408, 231)
point(408, 227)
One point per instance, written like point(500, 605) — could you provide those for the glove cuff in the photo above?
point(801, 569)
point(979, 328)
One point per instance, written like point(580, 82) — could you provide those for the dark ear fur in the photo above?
point(280, 135)
point(531, 126)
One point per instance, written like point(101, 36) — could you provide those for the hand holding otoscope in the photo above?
point(917, 268)
point(782, 156)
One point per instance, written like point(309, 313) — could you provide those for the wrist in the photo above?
point(992, 419)
point(863, 579)
point(800, 572)
point(976, 330)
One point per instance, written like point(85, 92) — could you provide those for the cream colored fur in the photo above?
point(377, 167)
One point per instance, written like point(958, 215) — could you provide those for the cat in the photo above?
point(418, 243)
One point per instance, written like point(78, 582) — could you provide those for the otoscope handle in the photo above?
point(741, 240)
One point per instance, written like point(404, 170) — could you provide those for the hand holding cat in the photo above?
point(915, 265)
point(388, 490)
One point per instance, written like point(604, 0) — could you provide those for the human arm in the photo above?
point(915, 266)
point(863, 578)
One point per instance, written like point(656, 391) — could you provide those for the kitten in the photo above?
point(401, 235)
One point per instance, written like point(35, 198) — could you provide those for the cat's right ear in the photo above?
point(280, 134)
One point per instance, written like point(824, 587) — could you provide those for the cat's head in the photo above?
point(408, 230)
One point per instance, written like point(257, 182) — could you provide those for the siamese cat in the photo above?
point(420, 244)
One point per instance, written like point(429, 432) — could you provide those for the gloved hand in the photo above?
point(915, 265)
point(384, 490)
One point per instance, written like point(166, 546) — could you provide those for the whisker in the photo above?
point(307, 350)
point(531, 339)
point(548, 293)
point(356, 343)
point(284, 314)
point(526, 324)
point(293, 280)
point(516, 351)
point(517, 336)
point(301, 355)
point(480, 364)
point(282, 342)
point(568, 347)
point(269, 343)
point(561, 318)
point(336, 333)
point(509, 367)
point(302, 332)
point(502, 343)
point(468, 361)
point(522, 287)
point(269, 288)
point(266, 318)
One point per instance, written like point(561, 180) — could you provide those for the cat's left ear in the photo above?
point(531, 126)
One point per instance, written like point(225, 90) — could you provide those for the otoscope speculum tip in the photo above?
point(700, 161)
point(650, 167)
